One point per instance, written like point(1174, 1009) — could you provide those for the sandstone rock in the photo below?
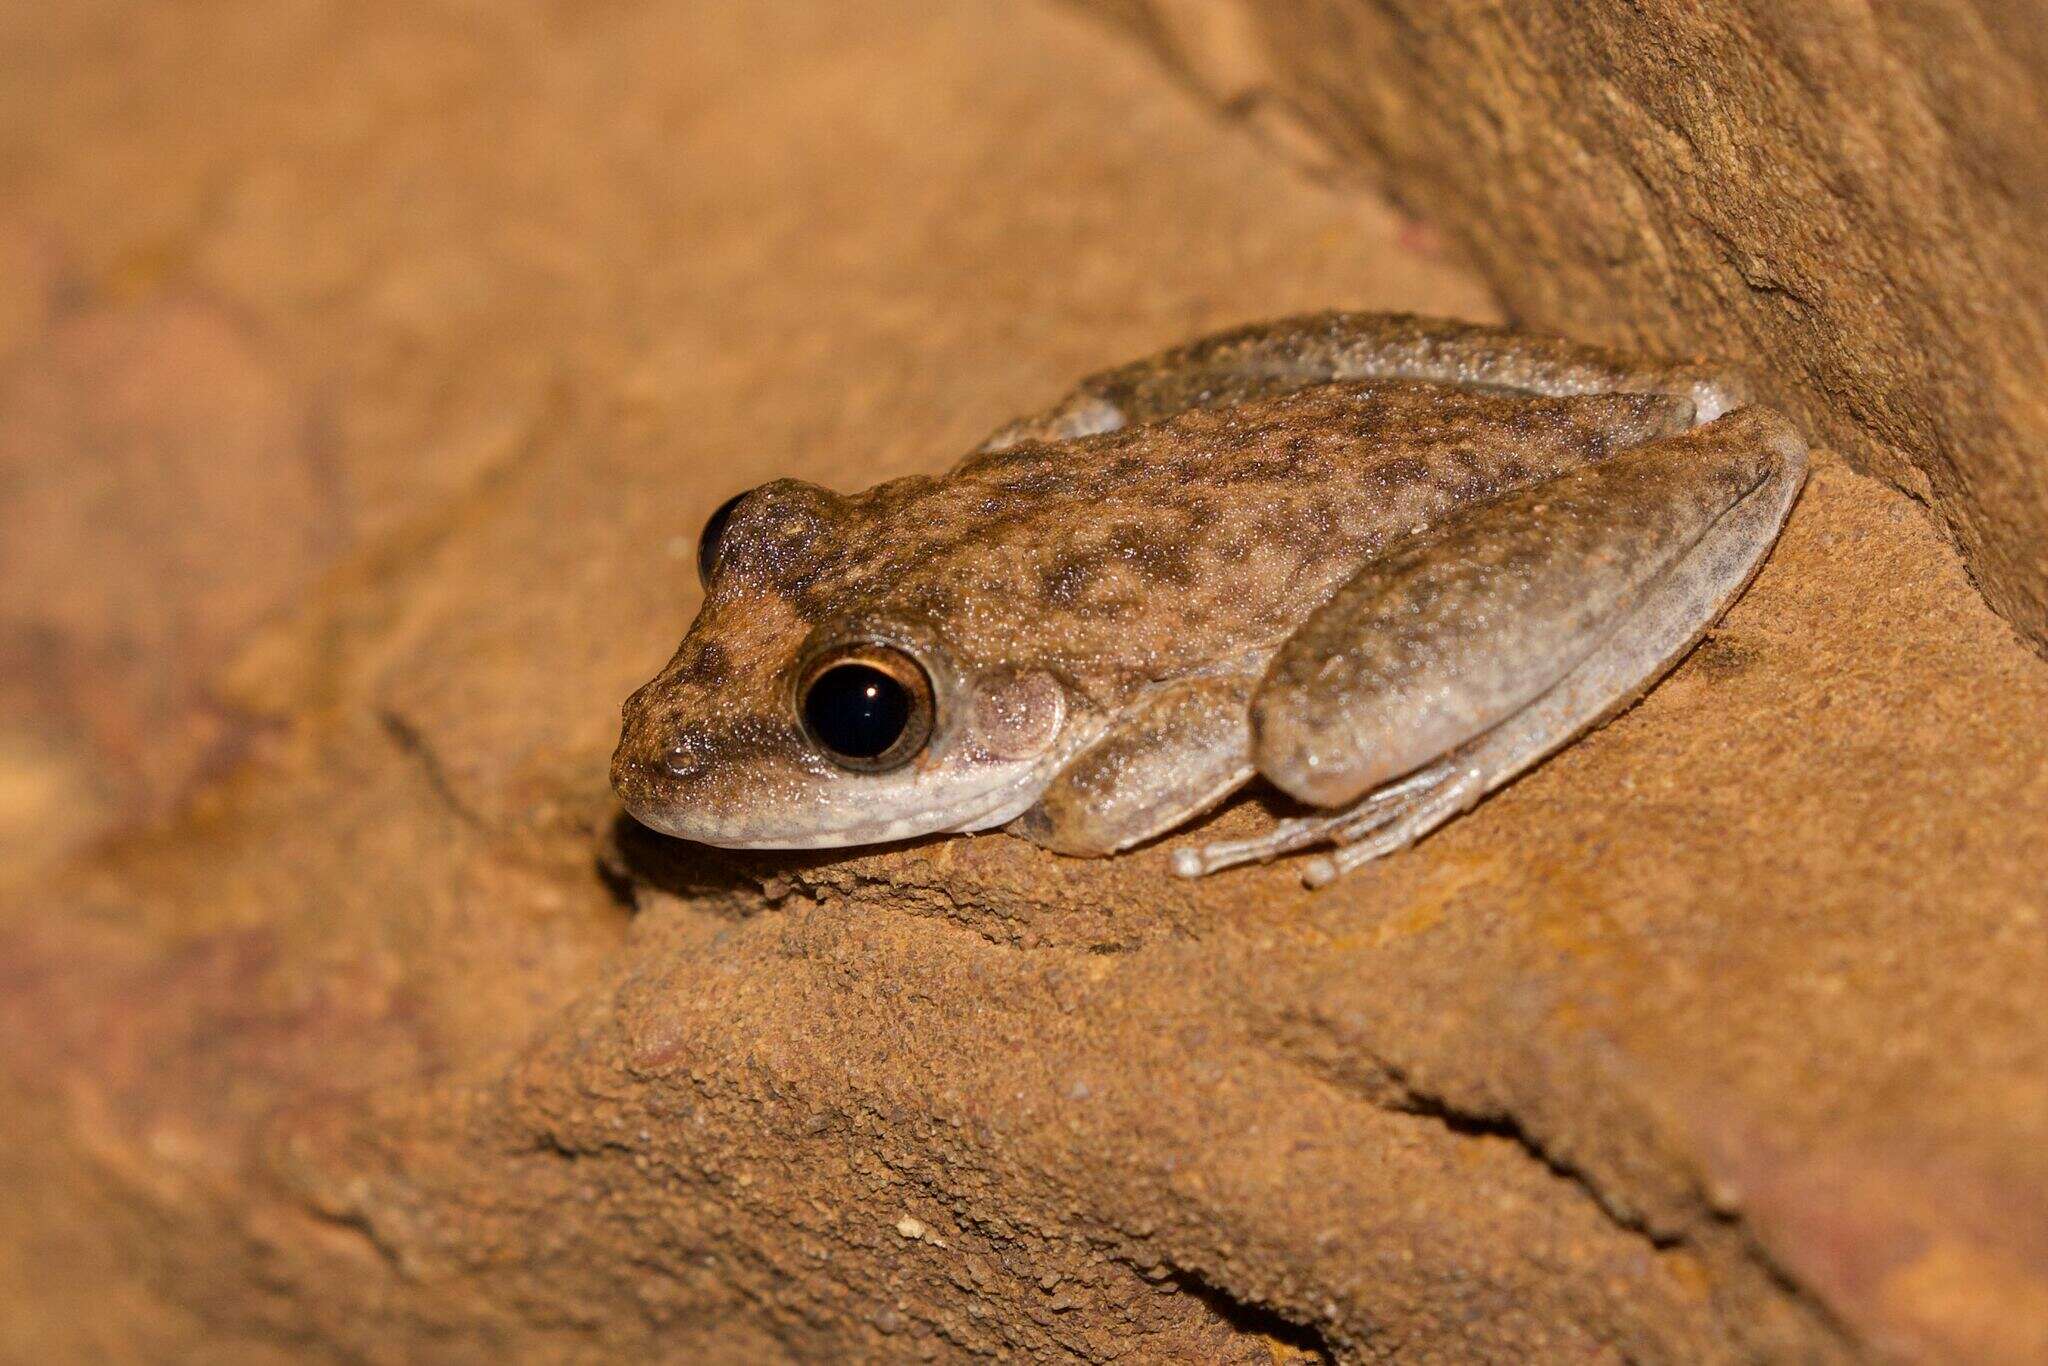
point(1717, 1037)
point(163, 496)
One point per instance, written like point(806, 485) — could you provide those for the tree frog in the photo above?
point(1383, 563)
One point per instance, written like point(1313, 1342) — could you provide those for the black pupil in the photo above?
point(714, 529)
point(857, 710)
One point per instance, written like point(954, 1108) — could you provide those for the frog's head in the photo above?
point(800, 712)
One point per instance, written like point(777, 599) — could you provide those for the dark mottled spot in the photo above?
point(1067, 582)
point(1402, 469)
point(1029, 482)
point(709, 667)
point(1261, 469)
point(1151, 553)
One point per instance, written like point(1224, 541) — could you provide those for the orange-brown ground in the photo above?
point(365, 372)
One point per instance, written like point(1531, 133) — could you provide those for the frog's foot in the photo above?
point(1453, 796)
point(1081, 413)
point(1384, 820)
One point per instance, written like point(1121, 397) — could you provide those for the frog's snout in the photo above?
point(635, 773)
point(651, 758)
point(655, 779)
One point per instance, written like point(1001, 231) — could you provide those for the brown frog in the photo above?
point(1384, 563)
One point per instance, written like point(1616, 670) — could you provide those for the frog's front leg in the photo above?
point(1449, 666)
point(1178, 752)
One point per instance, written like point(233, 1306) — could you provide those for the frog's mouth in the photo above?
point(828, 810)
point(818, 829)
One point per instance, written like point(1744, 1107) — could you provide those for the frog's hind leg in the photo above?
point(1271, 358)
point(1451, 666)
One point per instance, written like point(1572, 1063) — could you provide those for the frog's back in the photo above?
point(1150, 551)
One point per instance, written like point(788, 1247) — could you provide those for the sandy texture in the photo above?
point(402, 349)
point(1847, 197)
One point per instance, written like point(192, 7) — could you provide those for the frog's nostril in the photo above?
point(629, 773)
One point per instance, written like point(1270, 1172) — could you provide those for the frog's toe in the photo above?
point(1320, 871)
point(1392, 805)
point(1283, 838)
point(1450, 797)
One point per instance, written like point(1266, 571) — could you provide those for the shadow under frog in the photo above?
point(1384, 563)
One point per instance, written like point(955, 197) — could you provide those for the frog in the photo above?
point(1382, 564)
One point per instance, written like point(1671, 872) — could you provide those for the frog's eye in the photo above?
point(713, 533)
point(867, 706)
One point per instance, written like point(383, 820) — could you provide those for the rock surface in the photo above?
point(376, 1035)
point(1848, 197)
